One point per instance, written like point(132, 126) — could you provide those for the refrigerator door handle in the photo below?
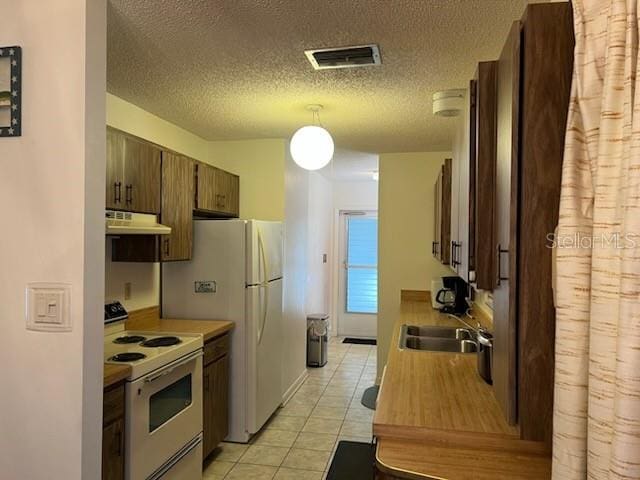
point(263, 257)
point(264, 285)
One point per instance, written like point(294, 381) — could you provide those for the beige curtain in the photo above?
point(597, 377)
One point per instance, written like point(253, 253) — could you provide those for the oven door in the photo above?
point(164, 414)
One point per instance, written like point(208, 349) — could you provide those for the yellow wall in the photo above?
point(405, 233)
point(136, 121)
point(260, 164)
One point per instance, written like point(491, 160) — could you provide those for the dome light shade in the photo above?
point(311, 147)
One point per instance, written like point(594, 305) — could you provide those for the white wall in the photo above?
point(295, 272)
point(355, 195)
point(53, 199)
point(320, 229)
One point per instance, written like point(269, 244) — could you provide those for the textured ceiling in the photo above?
point(235, 69)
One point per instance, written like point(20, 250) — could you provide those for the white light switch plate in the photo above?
point(49, 307)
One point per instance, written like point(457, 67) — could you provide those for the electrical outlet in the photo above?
point(127, 290)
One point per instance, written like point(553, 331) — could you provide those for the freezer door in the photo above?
point(264, 347)
point(264, 251)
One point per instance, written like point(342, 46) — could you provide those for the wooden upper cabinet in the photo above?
point(229, 191)
point(115, 170)
point(483, 163)
point(133, 174)
point(177, 206)
point(218, 192)
point(442, 214)
point(142, 174)
point(436, 248)
point(471, 258)
point(533, 88)
point(504, 295)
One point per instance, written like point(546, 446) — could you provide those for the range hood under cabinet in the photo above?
point(127, 223)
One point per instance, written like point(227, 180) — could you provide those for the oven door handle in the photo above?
point(172, 366)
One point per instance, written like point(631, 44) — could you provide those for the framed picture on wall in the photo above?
point(10, 91)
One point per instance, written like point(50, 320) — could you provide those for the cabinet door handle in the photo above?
point(453, 253)
point(129, 193)
point(117, 192)
point(166, 247)
point(500, 252)
point(455, 262)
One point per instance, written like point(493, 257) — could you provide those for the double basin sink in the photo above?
point(438, 339)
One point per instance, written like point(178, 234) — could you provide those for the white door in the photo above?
point(358, 281)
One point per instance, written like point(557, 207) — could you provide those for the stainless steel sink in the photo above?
point(434, 344)
point(440, 332)
point(438, 339)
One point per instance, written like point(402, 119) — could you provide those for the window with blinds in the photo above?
point(362, 265)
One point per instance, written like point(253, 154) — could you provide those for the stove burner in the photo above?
point(161, 342)
point(128, 357)
point(130, 339)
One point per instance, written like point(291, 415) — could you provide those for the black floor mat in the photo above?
point(360, 341)
point(352, 461)
point(370, 396)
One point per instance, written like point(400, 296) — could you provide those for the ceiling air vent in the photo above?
point(344, 57)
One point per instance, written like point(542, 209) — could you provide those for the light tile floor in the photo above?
point(300, 439)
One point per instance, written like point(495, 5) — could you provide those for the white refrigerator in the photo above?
point(236, 274)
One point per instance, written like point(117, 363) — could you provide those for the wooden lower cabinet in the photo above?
point(215, 415)
point(113, 433)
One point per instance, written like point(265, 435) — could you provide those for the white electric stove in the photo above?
point(146, 351)
point(163, 415)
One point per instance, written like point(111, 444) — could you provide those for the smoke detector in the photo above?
point(344, 57)
point(448, 103)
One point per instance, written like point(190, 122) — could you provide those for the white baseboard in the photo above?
point(294, 387)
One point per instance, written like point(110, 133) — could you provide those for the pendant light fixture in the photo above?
point(312, 146)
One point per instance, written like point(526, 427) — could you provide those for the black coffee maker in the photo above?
point(453, 297)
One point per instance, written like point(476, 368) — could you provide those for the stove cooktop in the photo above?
point(161, 342)
point(128, 357)
point(130, 339)
point(147, 351)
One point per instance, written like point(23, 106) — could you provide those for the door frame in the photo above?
point(336, 267)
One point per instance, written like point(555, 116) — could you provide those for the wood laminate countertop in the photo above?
point(148, 319)
point(114, 374)
point(208, 328)
point(433, 408)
